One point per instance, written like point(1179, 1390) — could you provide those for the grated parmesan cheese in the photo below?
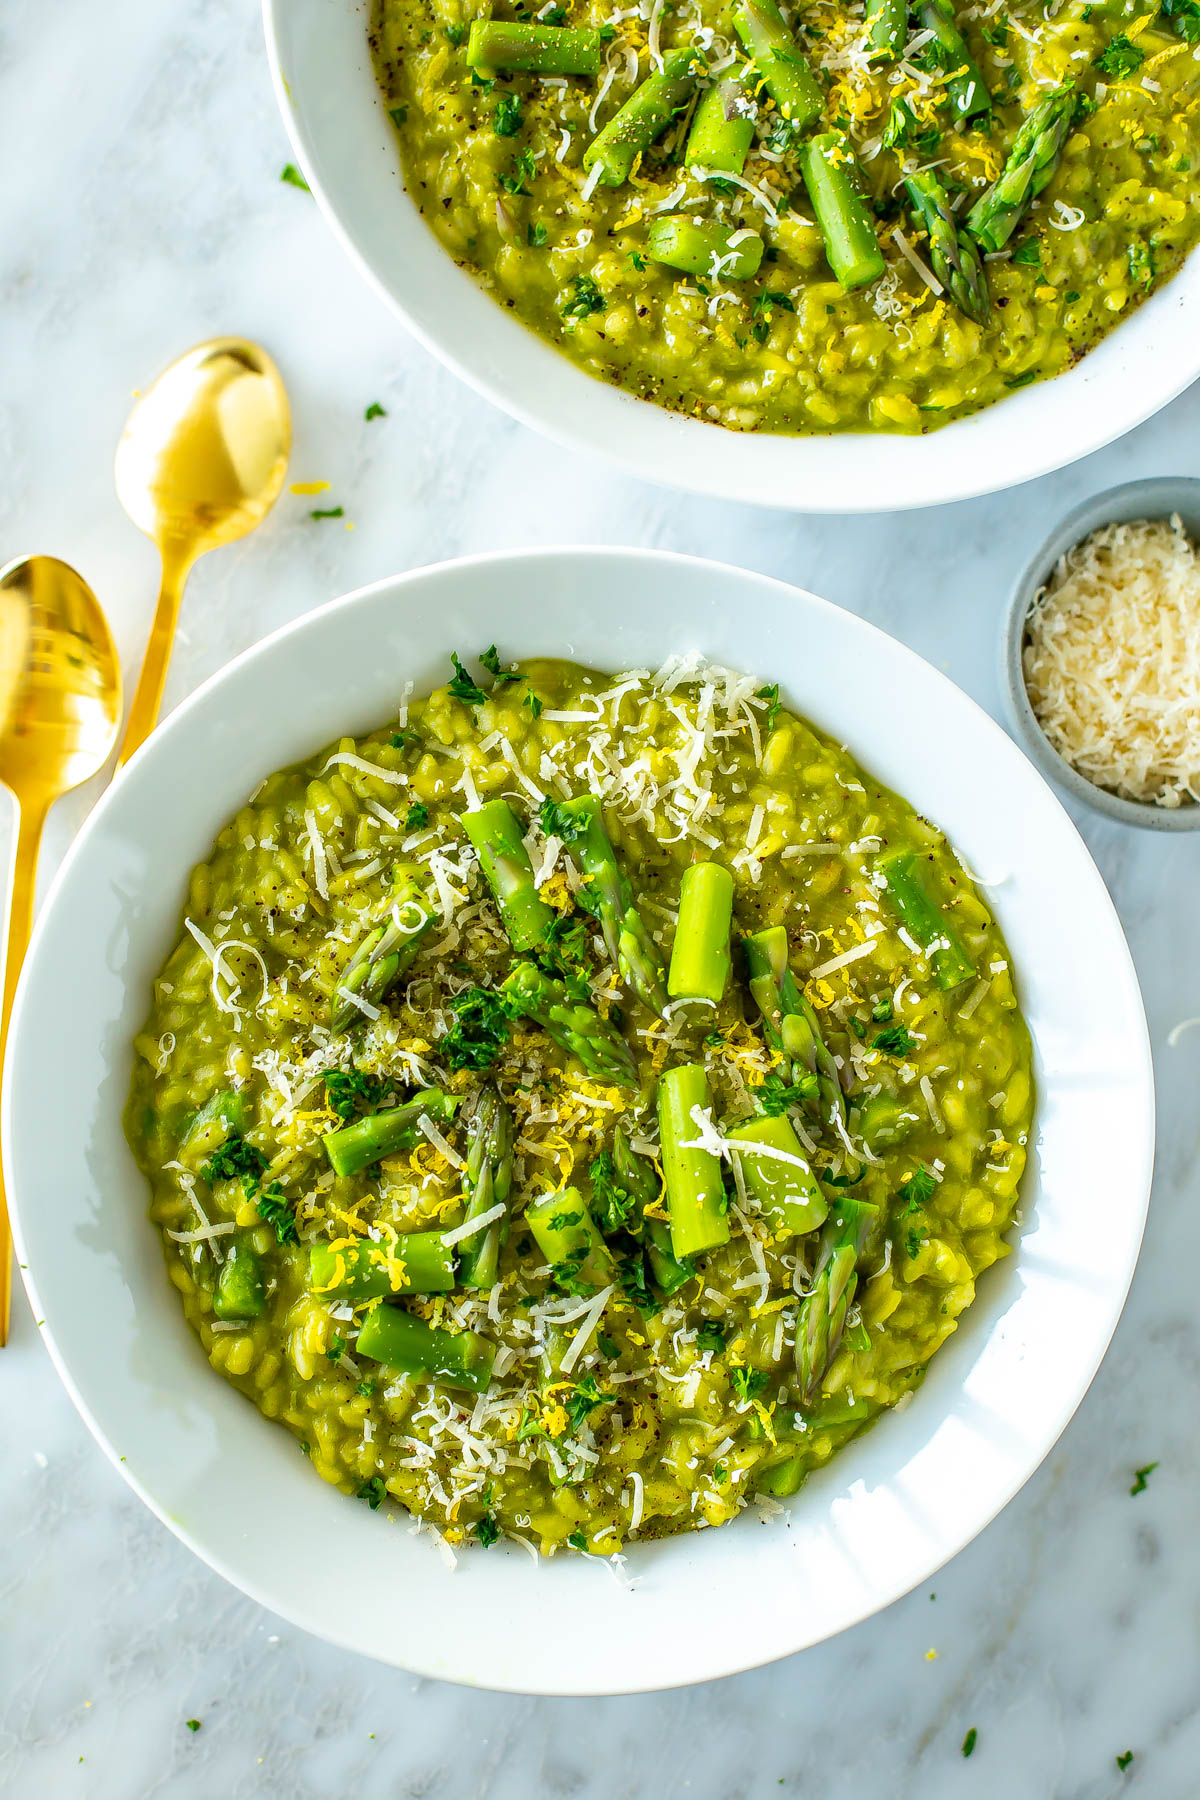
point(1112, 661)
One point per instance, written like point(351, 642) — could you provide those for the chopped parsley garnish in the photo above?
point(637, 259)
point(416, 816)
point(327, 512)
point(456, 34)
point(337, 1348)
point(461, 687)
point(583, 300)
point(631, 1278)
point(881, 1012)
point(917, 1189)
point(1028, 254)
point(761, 311)
point(564, 953)
point(612, 1205)
point(479, 1031)
point(556, 823)
point(748, 1383)
point(1071, 297)
point(710, 1336)
point(1142, 1477)
point(1019, 381)
point(348, 1089)
point(523, 170)
point(607, 1346)
point(777, 1096)
point(508, 117)
point(771, 696)
point(582, 1401)
point(367, 1388)
point(535, 235)
point(560, 1221)
point(784, 135)
point(398, 115)
point(897, 1040)
point(274, 1208)
point(969, 1742)
point(914, 1237)
point(374, 411)
point(404, 740)
point(555, 15)
point(486, 1529)
point(291, 174)
point(1185, 18)
point(490, 658)
point(1141, 265)
point(1124, 1760)
point(235, 1157)
point(1119, 58)
point(532, 705)
point(565, 1275)
point(577, 1541)
point(374, 1492)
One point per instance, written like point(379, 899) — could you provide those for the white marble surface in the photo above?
point(141, 211)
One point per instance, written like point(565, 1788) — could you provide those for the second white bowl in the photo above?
point(344, 142)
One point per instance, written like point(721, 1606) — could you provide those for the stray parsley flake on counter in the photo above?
point(291, 174)
point(1142, 1478)
point(374, 411)
point(192, 1725)
point(969, 1742)
point(1124, 1759)
point(328, 512)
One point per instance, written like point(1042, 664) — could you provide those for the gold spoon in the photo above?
point(60, 705)
point(201, 462)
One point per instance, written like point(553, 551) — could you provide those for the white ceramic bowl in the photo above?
point(344, 143)
point(897, 1502)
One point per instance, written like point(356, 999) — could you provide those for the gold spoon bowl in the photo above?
point(201, 462)
point(60, 705)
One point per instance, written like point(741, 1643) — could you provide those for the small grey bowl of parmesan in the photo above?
point(1101, 654)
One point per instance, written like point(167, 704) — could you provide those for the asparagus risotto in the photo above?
point(841, 216)
point(577, 1108)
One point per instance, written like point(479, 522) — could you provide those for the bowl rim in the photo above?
point(1145, 362)
point(296, 1607)
point(1148, 497)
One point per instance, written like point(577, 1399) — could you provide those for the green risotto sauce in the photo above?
point(864, 239)
point(577, 1108)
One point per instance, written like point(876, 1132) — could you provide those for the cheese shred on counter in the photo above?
point(1112, 661)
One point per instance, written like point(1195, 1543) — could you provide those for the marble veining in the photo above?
point(142, 211)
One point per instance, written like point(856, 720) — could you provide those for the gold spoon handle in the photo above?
point(177, 560)
point(30, 819)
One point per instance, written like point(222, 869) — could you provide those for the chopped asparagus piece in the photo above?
point(849, 1234)
point(370, 1139)
point(779, 61)
point(496, 835)
point(240, 1291)
point(626, 934)
point(488, 1182)
point(416, 1263)
point(826, 163)
point(574, 1026)
point(703, 249)
point(567, 1237)
point(1029, 165)
point(722, 128)
point(695, 1189)
point(391, 1336)
point(787, 1190)
point(541, 49)
point(700, 960)
point(952, 255)
point(920, 913)
point(789, 1021)
point(644, 116)
point(965, 86)
point(638, 1177)
point(383, 955)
